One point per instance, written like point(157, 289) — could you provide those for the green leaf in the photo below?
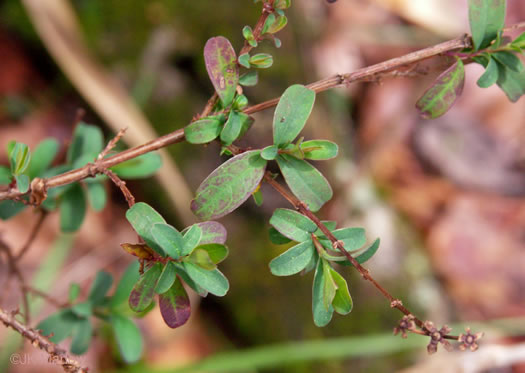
point(212, 281)
point(490, 76)
point(294, 260)
point(368, 252)
point(82, 333)
point(353, 238)
point(100, 287)
point(9, 209)
point(229, 186)
point(244, 60)
point(293, 109)
point(342, 301)
point(212, 232)
point(192, 238)
point(60, 324)
point(125, 285)
point(128, 337)
point(233, 128)
point(240, 102)
point(261, 60)
point(249, 79)
point(510, 60)
point(292, 224)
point(487, 18)
point(142, 217)
point(19, 158)
point(201, 258)
point(277, 238)
point(181, 271)
point(166, 279)
point(83, 309)
point(247, 33)
point(42, 157)
point(175, 305)
point(270, 152)
point(142, 294)
point(278, 25)
point(217, 252)
point(74, 292)
point(331, 225)
point(169, 238)
point(305, 181)
point(72, 209)
point(319, 149)
point(5, 175)
point(445, 90)
point(96, 195)
point(22, 182)
point(143, 166)
point(511, 82)
point(87, 144)
point(258, 197)
point(203, 131)
point(329, 286)
point(322, 315)
point(282, 4)
point(519, 42)
point(270, 20)
point(221, 64)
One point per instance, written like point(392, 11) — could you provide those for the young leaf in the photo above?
point(277, 238)
point(128, 337)
point(72, 209)
point(229, 186)
point(270, 152)
point(291, 114)
point(278, 25)
point(240, 102)
point(305, 181)
point(487, 18)
point(342, 301)
point(96, 195)
point(192, 238)
point(212, 232)
point(19, 158)
point(292, 224)
point(166, 279)
point(322, 315)
point(82, 333)
point(319, 149)
point(270, 20)
point(140, 250)
point(511, 82)
point(87, 143)
point(519, 42)
point(100, 287)
point(249, 79)
point(201, 258)
point(216, 252)
point(294, 260)
point(261, 60)
point(212, 281)
point(490, 76)
point(232, 128)
point(42, 157)
point(244, 60)
point(169, 239)
point(143, 166)
point(247, 33)
point(175, 305)
point(22, 182)
point(221, 64)
point(60, 324)
point(125, 285)
point(203, 131)
point(445, 90)
point(329, 286)
point(142, 294)
point(142, 217)
point(510, 60)
point(282, 4)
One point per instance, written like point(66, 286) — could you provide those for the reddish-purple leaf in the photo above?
point(221, 63)
point(212, 232)
point(445, 90)
point(142, 294)
point(175, 305)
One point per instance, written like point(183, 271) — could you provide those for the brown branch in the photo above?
point(122, 186)
point(15, 271)
point(56, 354)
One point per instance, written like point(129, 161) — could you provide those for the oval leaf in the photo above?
point(291, 113)
point(322, 315)
point(192, 238)
point(142, 294)
point(353, 238)
point(445, 90)
point(141, 167)
point(216, 252)
point(487, 18)
point(342, 301)
point(203, 131)
point(142, 217)
point(96, 195)
point(229, 186)
point(212, 232)
point(221, 64)
point(319, 149)
point(82, 333)
point(72, 209)
point(511, 82)
point(490, 76)
point(175, 305)
point(292, 224)
point(212, 281)
point(166, 279)
point(42, 157)
point(294, 260)
point(169, 239)
point(100, 287)
point(305, 181)
point(128, 337)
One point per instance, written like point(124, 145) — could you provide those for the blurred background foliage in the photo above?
point(385, 178)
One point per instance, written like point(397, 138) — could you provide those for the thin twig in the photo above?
point(56, 354)
point(46, 297)
point(122, 186)
point(15, 271)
